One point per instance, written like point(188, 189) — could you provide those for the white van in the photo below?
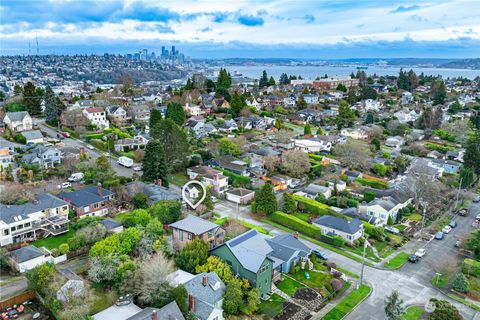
point(75, 177)
point(125, 161)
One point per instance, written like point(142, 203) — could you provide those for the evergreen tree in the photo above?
point(60, 106)
point(188, 85)
point(237, 103)
point(278, 124)
point(341, 87)
point(195, 253)
point(289, 205)
point(31, 99)
point(471, 159)
point(402, 81)
point(413, 80)
point(352, 97)
point(301, 103)
point(467, 177)
point(307, 129)
point(346, 116)
point(224, 79)
point(319, 131)
point(284, 79)
point(173, 141)
point(369, 119)
point(265, 200)
point(263, 82)
point(17, 90)
point(460, 283)
point(394, 308)
point(367, 92)
point(176, 113)
point(51, 111)
point(155, 117)
point(271, 81)
point(154, 163)
point(439, 93)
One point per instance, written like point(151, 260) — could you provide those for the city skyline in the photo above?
point(203, 29)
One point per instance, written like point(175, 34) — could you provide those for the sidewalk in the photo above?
point(332, 303)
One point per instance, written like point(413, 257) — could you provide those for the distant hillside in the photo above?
point(463, 64)
point(137, 75)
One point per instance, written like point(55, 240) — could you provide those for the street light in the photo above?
point(363, 259)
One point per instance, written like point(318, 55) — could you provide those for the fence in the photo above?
point(21, 298)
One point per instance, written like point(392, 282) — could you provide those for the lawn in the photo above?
point(348, 303)
point(368, 254)
point(289, 286)
point(413, 313)
point(442, 223)
point(317, 279)
point(384, 250)
point(400, 227)
point(54, 242)
point(397, 261)
point(104, 298)
point(272, 306)
point(178, 178)
point(414, 217)
point(441, 281)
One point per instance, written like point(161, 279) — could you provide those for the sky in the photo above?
point(306, 29)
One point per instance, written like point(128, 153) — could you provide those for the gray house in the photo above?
point(49, 156)
point(350, 230)
point(205, 296)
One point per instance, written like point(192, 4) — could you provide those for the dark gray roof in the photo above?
point(17, 116)
point(205, 296)
point(354, 213)
point(266, 151)
point(315, 189)
point(155, 192)
point(288, 240)
point(347, 226)
point(25, 254)
point(168, 312)
point(281, 252)
point(195, 225)
point(240, 192)
point(110, 224)
point(85, 196)
point(32, 134)
point(70, 275)
point(43, 201)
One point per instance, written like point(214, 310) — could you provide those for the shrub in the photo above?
point(312, 206)
point(315, 157)
point(19, 138)
point(368, 196)
point(296, 224)
point(335, 240)
point(336, 284)
point(460, 283)
point(376, 184)
point(63, 248)
point(471, 267)
point(237, 180)
point(140, 200)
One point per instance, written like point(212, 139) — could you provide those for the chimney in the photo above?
point(191, 303)
point(204, 280)
point(295, 235)
point(154, 315)
point(99, 189)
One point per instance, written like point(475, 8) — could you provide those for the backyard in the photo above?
point(289, 285)
point(272, 306)
point(54, 241)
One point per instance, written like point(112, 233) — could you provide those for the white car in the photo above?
point(106, 154)
point(64, 185)
point(420, 252)
point(447, 229)
point(137, 168)
point(90, 147)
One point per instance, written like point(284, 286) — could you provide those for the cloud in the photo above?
point(406, 9)
point(206, 29)
point(250, 21)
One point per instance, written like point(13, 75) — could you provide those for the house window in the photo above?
point(189, 236)
point(180, 235)
point(229, 262)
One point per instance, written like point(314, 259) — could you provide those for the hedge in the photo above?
point(313, 206)
point(376, 184)
point(296, 224)
point(471, 267)
point(315, 157)
point(236, 180)
point(334, 241)
point(94, 136)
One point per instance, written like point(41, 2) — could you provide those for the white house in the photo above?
point(97, 116)
point(372, 105)
point(383, 208)
point(209, 176)
point(312, 145)
point(240, 195)
point(27, 258)
point(18, 121)
point(340, 185)
point(395, 142)
point(118, 114)
point(312, 191)
point(193, 110)
point(33, 136)
point(350, 230)
point(254, 103)
point(357, 133)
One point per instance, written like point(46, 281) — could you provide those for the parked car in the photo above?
point(106, 154)
point(64, 185)
point(462, 212)
point(420, 252)
point(477, 217)
point(476, 200)
point(214, 199)
point(458, 243)
point(59, 136)
point(413, 258)
point(453, 224)
point(137, 168)
point(65, 134)
point(392, 230)
point(76, 177)
point(439, 235)
point(319, 254)
point(447, 229)
point(125, 161)
point(90, 147)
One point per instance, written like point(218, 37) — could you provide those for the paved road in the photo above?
point(75, 143)
point(412, 281)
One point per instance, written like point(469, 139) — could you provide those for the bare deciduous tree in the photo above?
point(13, 192)
point(354, 154)
point(152, 275)
point(296, 163)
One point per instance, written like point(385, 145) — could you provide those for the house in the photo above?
point(7, 155)
point(127, 144)
point(89, 201)
point(205, 296)
point(372, 105)
point(83, 104)
point(153, 191)
point(240, 195)
point(384, 208)
point(254, 103)
point(74, 286)
point(229, 163)
point(97, 117)
point(227, 126)
point(118, 115)
point(46, 215)
point(395, 142)
point(129, 311)
point(33, 136)
point(27, 258)
point(193, 227)
point(338, 185)
point(448, 166)
point(288, 249)
point(355, 133)
point(312, 145)
point(352, 175)
point(312, 191)
point(350, 230)
point(46, 156)
point(139, 112)
point(310, 98)
point(248, 255)
point(193, 109)
point(354, 213)
point(111, 225)
point(209, 176)
point(179, 277)
point(220, 103)
point(18, 121)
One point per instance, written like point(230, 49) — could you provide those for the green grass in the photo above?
point(221, 221)
point(224, 220)
point(398, 261)
point(348, 303)
point(368, 253)
point(442, 281)
point(317, 279)
point(413, 313)
point(400, 227)
point(348, 273)
point(104, 298)
point(414, 217)
point(178, 179)
point(289, 286)
point(474, 283)
point(442, 223)
point(383, 249)
point(322, 244)
point(54, 242)
point(272, 306)
point(467, 303)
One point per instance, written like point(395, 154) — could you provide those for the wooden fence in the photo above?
point(21, 298)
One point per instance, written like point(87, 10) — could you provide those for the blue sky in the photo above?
point(245, 28)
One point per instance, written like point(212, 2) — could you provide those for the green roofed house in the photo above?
point(249, 257)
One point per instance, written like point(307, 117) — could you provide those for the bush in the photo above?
point(296, 224)
point(335, 240)
point(460, 283)
point(376, 184)
point(19, 138)
point(167, 211)
point(140, 200)
point(93, 136)
point(315, 157)
point(471, 267)
point(63, 248)
point(237, 180)
point(336, 284)
point(84, 222)
point(312, 206)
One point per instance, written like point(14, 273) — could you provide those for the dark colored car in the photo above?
point(439, 235)
point(453, 223)
point(319, 254)
point(413, 258)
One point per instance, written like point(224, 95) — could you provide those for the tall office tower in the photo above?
point(173, 50)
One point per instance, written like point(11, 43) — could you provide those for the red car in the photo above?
point(65, 134)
